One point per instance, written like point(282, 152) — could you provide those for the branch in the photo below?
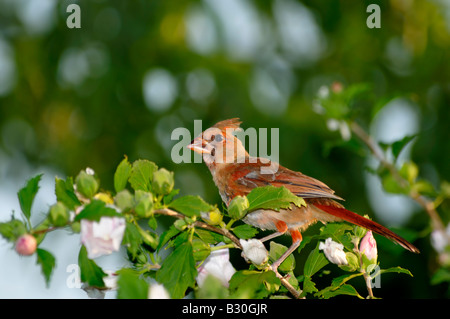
point(378, 153)
point(225, 232)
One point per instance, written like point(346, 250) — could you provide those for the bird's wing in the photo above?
point(249, 176)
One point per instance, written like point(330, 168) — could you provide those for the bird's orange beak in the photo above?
point(199, 145)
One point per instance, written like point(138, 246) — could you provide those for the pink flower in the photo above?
point(26, 245)
point(103, 237)
point(368, 246)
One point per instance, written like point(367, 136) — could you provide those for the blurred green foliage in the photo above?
point(72, 98)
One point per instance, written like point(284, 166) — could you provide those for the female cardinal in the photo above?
point(235, 173)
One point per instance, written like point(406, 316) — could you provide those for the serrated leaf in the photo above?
point(132, 239)
point(245, 231)
point(90, 273)
point(316, 261)
point(167, 235)
point(95, 210)
point(47, 262)
point(399, 270)
point(190, 205)
point(342, 290)
point(27, 193)
point(130, 285)
point(122, 174)
point(12, 230)
point(253, 284)
point(178, 272)
point(271, 197)
point(65, 193)
point(142, 174)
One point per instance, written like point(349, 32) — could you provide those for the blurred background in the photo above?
point(136, 70)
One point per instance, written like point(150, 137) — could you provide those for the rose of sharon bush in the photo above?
point(103, 237)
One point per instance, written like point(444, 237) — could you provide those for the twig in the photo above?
point(222, 231)
point(225, 232)
point(378, 153)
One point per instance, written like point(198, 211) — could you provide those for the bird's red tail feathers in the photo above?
point(356, 219)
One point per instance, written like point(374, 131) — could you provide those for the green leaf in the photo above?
point(190, 205)
point(130, 285)
point(95, 210)
point(276, 250)
point(245, 231)
point(440, 276)
point(399, 270)
point(163, 181)
point(309, 287)
point(142, 174)
point(167, 235)
point(342, 290)
point(12, 230)
point(249, 284)
point(122, 174)
point(271, 197)
point(132, 239)
point(90, 273)
point(65, 193)
point(26, 195)
point(47, 262)
point(201, 249)
point(238, 207)
point(87, 184)
point(178, 272)
point(316, 261)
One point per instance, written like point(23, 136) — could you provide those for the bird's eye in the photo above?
point(217, 138)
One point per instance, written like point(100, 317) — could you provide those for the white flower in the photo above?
point(90, 171)
point(439, 239)
point(110, 280)
point(103, 237)
point(218, 265)
point(342, 126)
point(254, 250)
point(334, 252)
point(157, 291)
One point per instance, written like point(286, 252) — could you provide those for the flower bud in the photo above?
point(26, 245)
point(212, 218)
point(86, 183)
point(238, 207)
point(368, 247)
point(334, 252)
point(59, 214)
point(124, 199)
point(163, 181)
point(254, 250)
point(104, 197)
point(144, 203)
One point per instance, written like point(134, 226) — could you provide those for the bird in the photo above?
point(236, 173)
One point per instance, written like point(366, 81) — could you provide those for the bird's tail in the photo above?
point(356, 219)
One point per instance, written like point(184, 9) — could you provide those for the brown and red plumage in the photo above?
point(235, 172)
